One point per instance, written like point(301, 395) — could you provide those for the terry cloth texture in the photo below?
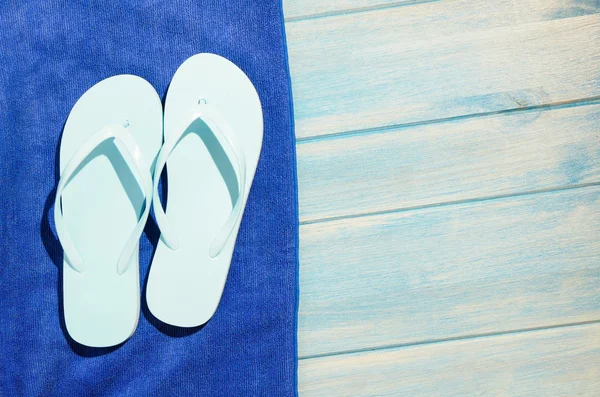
point(51, 52)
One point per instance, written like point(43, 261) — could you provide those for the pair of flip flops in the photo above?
point(114, 148)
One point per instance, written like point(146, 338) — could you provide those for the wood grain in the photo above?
point(440, 60)
point(555, 362)
point(445, 162)
point(450, 271)
point(403, 107)
point(302, 9)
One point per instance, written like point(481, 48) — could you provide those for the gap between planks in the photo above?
point(356, 10)
point(451, 203)
point(450, 340)
point(594, 100)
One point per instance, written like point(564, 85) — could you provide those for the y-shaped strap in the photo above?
point(133, 157)
point(224, 134)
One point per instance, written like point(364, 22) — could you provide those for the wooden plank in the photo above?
point(444, 162)
point(450, 271)
point(300, 9)
point(556, 362)
point(439, 60)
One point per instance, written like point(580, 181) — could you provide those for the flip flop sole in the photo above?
point(185, 285)
point(101, 206)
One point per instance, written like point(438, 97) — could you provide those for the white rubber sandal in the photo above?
point(109, 143)
point(213, 129)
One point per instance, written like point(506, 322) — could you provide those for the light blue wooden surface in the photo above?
point(432, 164)
point(552, 362)
point(451, 271)
point(438, 60)
point(449, 172)
point(305, 9)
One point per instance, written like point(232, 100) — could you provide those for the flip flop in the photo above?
point(213, 129)
point(110, 140)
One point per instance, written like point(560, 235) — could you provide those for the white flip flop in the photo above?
point(109, 143)
point(213, 129)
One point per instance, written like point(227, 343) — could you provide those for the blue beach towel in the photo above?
point(51, 52)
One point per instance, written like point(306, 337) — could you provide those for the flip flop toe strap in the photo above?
point(224, 134)
point(132, 155)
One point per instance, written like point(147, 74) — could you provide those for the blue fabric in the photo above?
point(50, 53)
